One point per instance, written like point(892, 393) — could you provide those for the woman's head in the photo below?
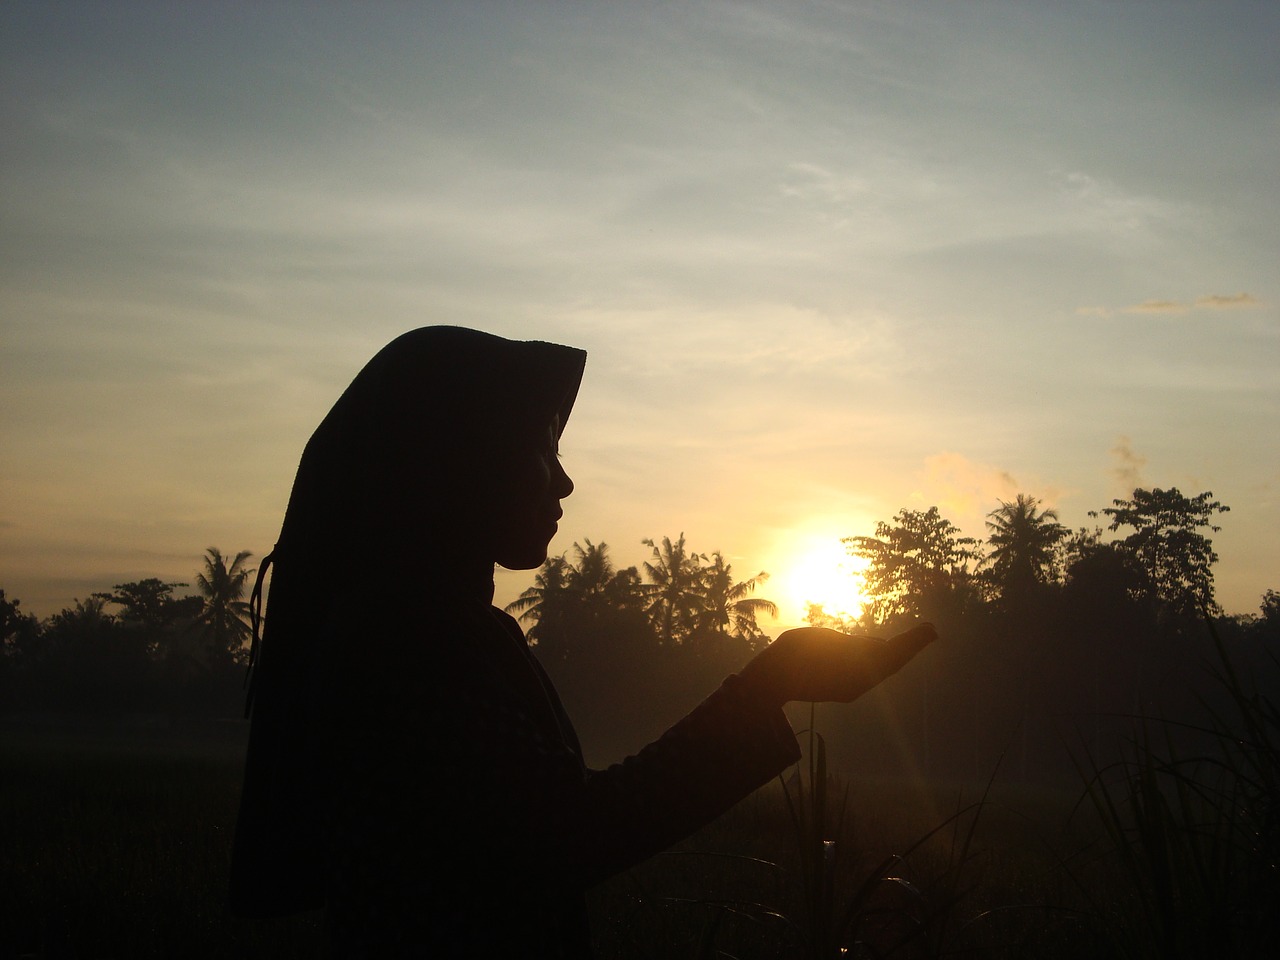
point(527, 504)
point(444, 445)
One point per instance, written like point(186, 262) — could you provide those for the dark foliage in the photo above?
point(631, 654)
point(136, 650)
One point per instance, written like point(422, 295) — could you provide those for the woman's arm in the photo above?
point(484, 791)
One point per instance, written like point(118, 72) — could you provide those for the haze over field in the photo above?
point(828, 260)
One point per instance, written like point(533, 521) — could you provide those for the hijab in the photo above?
point(410, 451)
point(391, 492)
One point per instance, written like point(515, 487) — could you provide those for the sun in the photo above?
point(825, 574)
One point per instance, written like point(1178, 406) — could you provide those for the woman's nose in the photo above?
point(562, 482)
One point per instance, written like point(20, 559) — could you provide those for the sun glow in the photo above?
point(823, 573)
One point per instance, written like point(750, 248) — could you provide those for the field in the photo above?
point(116, 844)
point(117, 837)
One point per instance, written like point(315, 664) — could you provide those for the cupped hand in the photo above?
point(817, 664)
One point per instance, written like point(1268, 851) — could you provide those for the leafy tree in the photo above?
point(89, 615)
point(917, 566)
point(625, 591)
point(150, 603)
point(89, 660)
point(17, 629)
point(19, 633)
point(1271, 607)
point(1166, 544)
point(1023, 541)
point(675, 589)
point(1101, 600)
point(225, 612)
point(1266, 626)
point(156, 620)
point(729, 610)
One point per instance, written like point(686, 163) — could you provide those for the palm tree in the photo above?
point(1022, 541)
point(589, 583)
point(581, 604)
point(596, 587)
point(590, 576)
point(225, 613)
point(674, 594)
point(544, 602)
point(729, 609)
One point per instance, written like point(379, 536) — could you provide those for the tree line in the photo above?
point(1056, 641)
point(683, 599)
point(1033, 606)
point(144, 646)
point(138, 648)
point(1047, 631)
point(632, 648)
point(920, 565)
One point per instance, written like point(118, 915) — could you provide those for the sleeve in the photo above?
point(718, 754)
point(485, 794)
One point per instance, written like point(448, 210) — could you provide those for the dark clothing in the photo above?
point(461, 820)
point(411, 769)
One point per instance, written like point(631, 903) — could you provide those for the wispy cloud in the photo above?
point(1103, 205)
point(1126, 465)
point(1218, 301)
point(1212, 301)
point(811, 182)
point(965, 486)
point(1157, 306)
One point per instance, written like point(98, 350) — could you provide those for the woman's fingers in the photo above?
point(908, 644)
point(865, 662)
point(817, 664)
point(840, 668)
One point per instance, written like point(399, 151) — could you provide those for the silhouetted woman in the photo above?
point(410, 768)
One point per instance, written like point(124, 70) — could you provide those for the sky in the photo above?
point(829, 260)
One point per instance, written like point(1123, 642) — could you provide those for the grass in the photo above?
point(1195, 836)
point(853, 903)
point(814, 868)
point(115, 843)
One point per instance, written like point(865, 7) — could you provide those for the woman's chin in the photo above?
point(527, 559)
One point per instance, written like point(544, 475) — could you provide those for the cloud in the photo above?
point(763, 340)
point(1218, 301)
point(813, 183)
point(1157, 306)
point(1212, 301)
point(964, 486)
point(1111, 208)
point(1127, 468)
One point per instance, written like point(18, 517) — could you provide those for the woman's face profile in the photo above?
point(530, 508)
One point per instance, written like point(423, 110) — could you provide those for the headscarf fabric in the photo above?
point(400, 473)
